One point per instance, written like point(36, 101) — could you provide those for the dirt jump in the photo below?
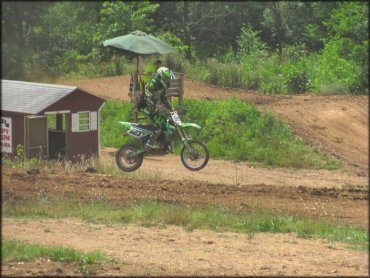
point(335, 125)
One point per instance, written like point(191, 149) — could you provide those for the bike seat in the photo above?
point(148, 127)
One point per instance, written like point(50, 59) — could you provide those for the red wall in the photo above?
point(81, 142)
point(78, 143)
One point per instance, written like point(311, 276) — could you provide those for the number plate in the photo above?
point(138, 132)
point(176, 118)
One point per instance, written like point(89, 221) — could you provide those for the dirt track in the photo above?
point(337, 125)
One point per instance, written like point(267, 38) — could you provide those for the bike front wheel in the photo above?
point(196, 156)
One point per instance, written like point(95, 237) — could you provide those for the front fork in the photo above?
point(185, 138)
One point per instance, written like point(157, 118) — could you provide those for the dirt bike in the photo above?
point(194, 153)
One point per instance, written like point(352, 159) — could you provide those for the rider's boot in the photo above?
point(153, 141)
point(168, 136)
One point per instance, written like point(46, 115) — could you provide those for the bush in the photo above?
point(250, 43)
point(273, 80)
point(331, 73)
point(197, 71)
point(297, 78)
point(226, 75)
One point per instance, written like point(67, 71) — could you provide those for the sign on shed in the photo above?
point(6, 135)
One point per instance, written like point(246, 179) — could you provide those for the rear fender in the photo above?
point(126, 124)
point(185, 125)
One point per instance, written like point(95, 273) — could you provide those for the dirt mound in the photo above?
point(336, 125)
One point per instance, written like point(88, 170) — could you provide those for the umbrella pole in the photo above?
point(135, 109)
point(137, 65)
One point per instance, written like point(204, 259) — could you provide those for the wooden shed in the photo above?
point(49, 121)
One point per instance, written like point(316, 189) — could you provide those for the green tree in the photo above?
point(19, 22)
point(349, 31)
point(275, 20)
point(250, 43)
point(65, 38)
point(118, 19)
point(216, 25)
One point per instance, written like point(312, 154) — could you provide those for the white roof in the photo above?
point(30, 97)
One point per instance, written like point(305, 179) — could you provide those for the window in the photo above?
point(84, 121)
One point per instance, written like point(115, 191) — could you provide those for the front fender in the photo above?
point(126, 124)
point(185, 125)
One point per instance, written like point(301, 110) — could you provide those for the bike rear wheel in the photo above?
point(196, 156)
point(127, 163)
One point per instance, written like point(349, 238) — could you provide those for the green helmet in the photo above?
point(165, 76)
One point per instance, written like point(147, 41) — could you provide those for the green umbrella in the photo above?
point(139, 43)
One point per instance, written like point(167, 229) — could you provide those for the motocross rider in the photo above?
point(156, 104)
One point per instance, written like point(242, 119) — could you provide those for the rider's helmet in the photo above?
point(164, 76)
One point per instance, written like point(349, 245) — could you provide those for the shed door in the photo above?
point(36, 136)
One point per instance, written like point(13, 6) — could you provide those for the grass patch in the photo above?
point(15, 251)
point(232, 130)
point(102, 165)
point(237, 130)
point(151, 213)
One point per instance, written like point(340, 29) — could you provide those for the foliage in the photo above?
point(296, 77)
point(349, 30)
point(249, 43)
point(234, 44)
point(174, 41)
point(111, 131)
point(118, 18)
point(227, 75)
point(197, 70)
point(236, 130)
point(330, 72)
point(19, 150)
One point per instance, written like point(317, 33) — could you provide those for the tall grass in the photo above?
point(153, 213)
point(103, 164)
point(111, 132)
point(293, 73)
point(14, 250)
